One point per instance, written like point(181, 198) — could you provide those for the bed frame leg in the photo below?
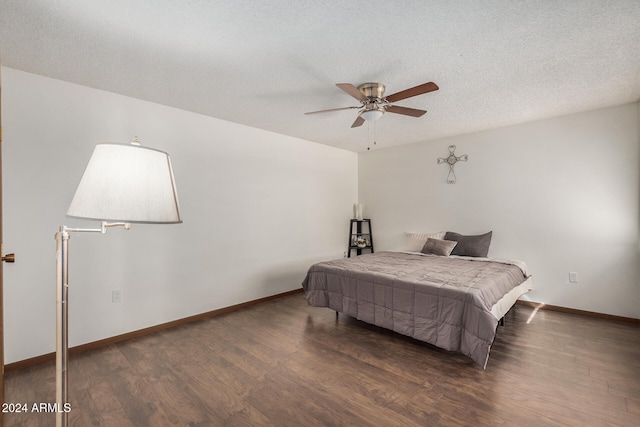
point(501, 322)
point(336, 315)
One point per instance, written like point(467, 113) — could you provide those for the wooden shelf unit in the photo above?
point(360, 228)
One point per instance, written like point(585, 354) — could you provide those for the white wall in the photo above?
point(561, 194)
point(258, 209)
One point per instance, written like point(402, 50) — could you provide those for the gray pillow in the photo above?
point(438, 247)
point(477, 246)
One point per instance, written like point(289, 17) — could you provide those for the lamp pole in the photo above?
point(62, 344)
point(62, 314)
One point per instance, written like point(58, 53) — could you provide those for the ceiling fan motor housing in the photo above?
point(372, 90)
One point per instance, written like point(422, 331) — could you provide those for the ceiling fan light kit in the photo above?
point(373, 103)
point(371, 114)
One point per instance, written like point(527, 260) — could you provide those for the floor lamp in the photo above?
point(122, 184)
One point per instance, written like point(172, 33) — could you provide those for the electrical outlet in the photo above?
point(573, 277)
point(116, 295)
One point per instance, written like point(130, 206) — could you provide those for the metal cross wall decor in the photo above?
point(451, 161)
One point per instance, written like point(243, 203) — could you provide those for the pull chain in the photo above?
point(374, 135)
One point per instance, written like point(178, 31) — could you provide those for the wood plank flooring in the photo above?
point(282, 363)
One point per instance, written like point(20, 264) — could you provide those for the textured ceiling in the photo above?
point(265, 63)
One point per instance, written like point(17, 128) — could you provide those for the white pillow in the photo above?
point(414, 242)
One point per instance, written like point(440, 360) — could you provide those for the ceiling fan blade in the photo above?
point(331, 109)
point(405, 111)
point(414, 91)
point(359, 122)
point(353, 91)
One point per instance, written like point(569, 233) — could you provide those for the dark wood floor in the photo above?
point(283, 363)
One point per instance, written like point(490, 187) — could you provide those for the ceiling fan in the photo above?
point(373, 103)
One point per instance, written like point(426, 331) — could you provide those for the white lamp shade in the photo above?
point(127, 183)
point(372, 115)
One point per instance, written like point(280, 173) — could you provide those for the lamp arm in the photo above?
point(62, 316)
point(103, 227)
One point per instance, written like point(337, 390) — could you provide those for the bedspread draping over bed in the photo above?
point(445, 301)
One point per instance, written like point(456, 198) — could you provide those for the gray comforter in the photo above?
point(445, 301)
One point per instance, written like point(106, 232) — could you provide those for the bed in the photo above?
point(451, 301)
